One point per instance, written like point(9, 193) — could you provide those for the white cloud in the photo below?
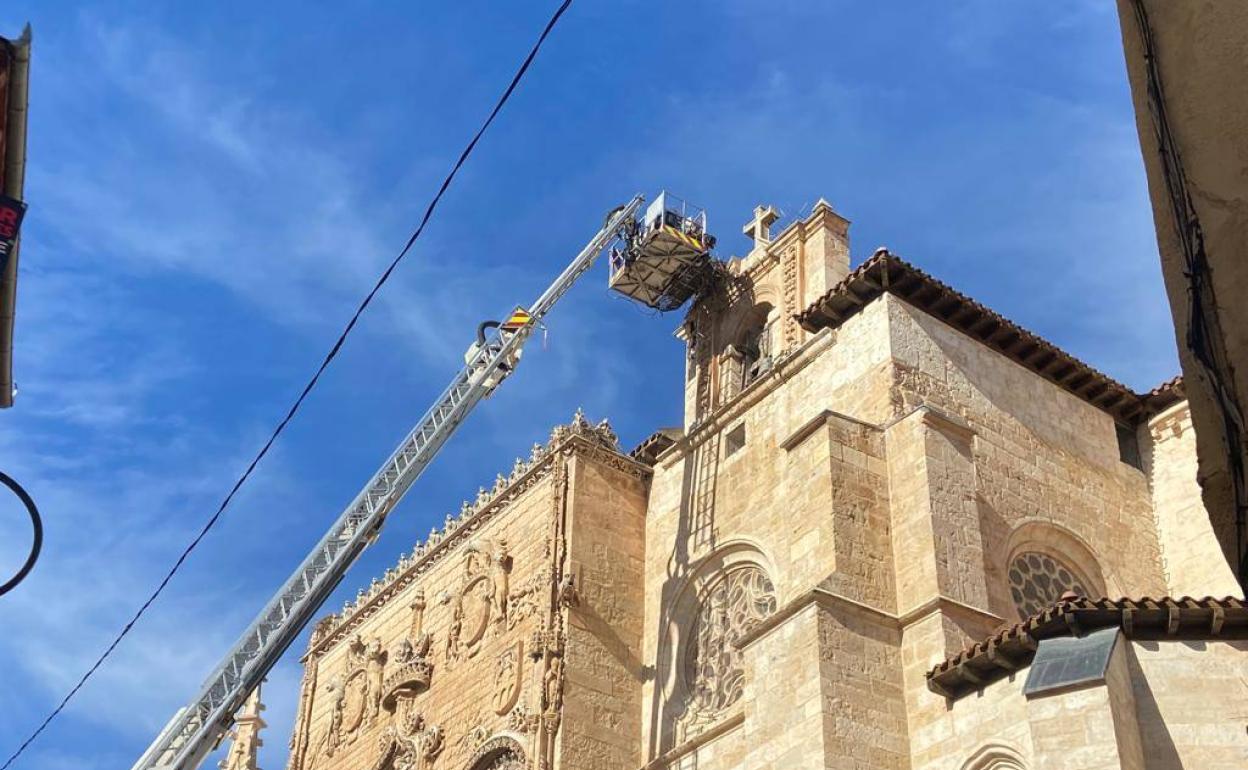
point(206, 180)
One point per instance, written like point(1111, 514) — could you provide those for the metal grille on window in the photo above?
point(1037, 581)
point(730, 607)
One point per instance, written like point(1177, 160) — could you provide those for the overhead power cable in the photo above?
point(307, 389)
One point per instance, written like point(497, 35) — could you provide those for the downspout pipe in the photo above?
point(14, 183)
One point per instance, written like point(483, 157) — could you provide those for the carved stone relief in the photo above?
point(553, 686)
point(412, 669)
point(469, 741)
point(523, 602)
point(356, 693)
point(411, 746)
point(789, 268)
point(521, 721)
point(481, 601)
point(508, 678)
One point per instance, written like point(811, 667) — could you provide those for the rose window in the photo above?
point(1037, 581)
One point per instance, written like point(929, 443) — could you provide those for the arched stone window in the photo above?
point(1044, 561)
point(729, 607)
point(501, 753)
point(994, 757)
point(755, 343)
point(1038, 580)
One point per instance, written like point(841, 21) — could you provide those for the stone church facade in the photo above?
point(888, 515)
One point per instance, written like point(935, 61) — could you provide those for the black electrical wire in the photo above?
point(329, 357)
point(1203, 332)
point(36, 525)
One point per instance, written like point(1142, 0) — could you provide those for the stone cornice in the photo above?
point(724, 726)
point(579, 438)
point(951, 607)
point(824, 598)
point(943, 422)
point(799, 436)
point(817, 597)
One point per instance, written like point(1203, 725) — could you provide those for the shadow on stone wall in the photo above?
point(695, 530)
point(1159, 749)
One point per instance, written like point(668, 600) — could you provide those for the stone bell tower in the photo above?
point(735, 335)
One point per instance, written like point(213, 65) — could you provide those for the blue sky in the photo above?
point(213, 186)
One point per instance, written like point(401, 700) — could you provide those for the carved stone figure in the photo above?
point(500, 574)
point(333, 734)
point(352, 693)
point(452, 633)
point(568, 594)
point(553, 684)
point(375, 667)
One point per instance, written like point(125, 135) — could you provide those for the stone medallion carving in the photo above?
point(508, 678)
point(481, 600)
point(729, 608)
point(356, 694)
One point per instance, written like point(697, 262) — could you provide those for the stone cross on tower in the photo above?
point(246, 735)
point(760, 227)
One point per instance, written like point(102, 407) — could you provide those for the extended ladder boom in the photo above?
point(197, 728)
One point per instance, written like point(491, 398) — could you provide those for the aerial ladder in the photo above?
point(661, 241)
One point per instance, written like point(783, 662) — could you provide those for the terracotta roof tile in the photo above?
point(884, 272)
point(1013, 647)
point(648, 451)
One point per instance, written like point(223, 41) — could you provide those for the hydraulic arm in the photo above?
point(198, 727)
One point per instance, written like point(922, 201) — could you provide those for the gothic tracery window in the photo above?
point(1038, 580)
point(729, 608)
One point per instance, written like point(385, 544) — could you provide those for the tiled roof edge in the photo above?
point(648, 451)
point(1013, 647)
point(883, 272)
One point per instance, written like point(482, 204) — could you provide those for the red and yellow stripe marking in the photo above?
point(518, 319)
